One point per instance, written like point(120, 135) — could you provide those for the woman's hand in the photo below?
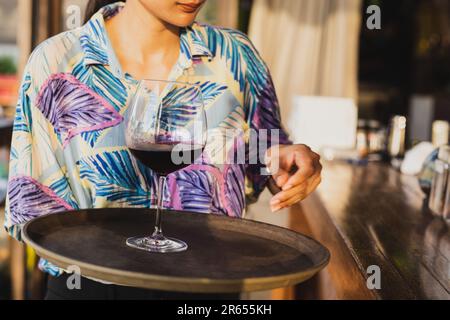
point(297, 174)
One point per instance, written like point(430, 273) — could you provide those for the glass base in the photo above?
point(159, 244)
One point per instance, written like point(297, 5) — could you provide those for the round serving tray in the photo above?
point(225, 255)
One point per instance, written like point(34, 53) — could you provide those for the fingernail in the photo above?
point(276, 209)
point(275, 202)
point(287, 187)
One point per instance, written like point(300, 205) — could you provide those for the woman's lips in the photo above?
point(190, 7)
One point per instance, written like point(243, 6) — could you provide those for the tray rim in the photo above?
point(171, 283)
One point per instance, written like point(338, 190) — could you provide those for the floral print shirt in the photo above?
point(68, 150)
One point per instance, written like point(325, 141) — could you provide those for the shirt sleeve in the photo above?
point(263, 118)
point(37, 184)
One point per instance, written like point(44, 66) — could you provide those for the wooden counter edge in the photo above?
point(342, 279)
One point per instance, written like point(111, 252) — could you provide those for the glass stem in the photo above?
point(160, 194)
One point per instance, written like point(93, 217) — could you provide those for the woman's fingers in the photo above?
point(307, 167)
point(284, 196)
point(289, 203)
point(281, 177)
point(314, 184)
point(296, 194)
point(296, 185)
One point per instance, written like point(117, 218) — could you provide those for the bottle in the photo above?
point(446, 213)
point(397, 139)
point(362, 143)
point(439, 184)
point(440, 133)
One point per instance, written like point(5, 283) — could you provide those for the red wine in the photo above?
point(167, 158)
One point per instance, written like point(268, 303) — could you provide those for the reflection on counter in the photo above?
point(383, 219)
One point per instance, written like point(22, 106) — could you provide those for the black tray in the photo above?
point(225, 255)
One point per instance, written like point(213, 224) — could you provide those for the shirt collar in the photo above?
point(194, 42)
point(97, 48)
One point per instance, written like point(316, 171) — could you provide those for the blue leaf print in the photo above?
point(236, 48)
point(91, 137)
point(49, 268)
point(104, 83)
point(115, 177)
point(23, 120)
point(179, 107)
point(211, 91)
point(185, 46)
point(179, 103)
point(244, 62)
point(62, 188)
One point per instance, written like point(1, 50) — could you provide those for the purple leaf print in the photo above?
point(202, 189)
point(73, 108)
point(196, 190)
point(267, 115)
point(235, 190)
point(29, 199)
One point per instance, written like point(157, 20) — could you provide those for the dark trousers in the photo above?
point(91, 290)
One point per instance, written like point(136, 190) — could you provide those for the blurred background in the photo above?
point(342, 68)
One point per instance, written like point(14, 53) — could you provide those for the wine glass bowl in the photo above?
point(165, 131)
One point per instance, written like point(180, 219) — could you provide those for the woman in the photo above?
point(68, 149)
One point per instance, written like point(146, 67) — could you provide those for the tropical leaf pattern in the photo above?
point(243, 59)
point(30, 199)
point(69, 151)
point(181, 101)
point(198, 190)
point(116, 177)
point(72, 108)
point(211, 91)
point(23, 111)
point(180, 107)
point(104, 84)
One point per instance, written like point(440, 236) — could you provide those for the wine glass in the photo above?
point(166, 131)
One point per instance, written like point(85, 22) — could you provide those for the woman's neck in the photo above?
point(143, 43)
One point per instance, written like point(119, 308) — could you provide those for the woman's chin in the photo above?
point(183, 20)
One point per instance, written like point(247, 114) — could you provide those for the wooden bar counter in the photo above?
point(373, 215)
